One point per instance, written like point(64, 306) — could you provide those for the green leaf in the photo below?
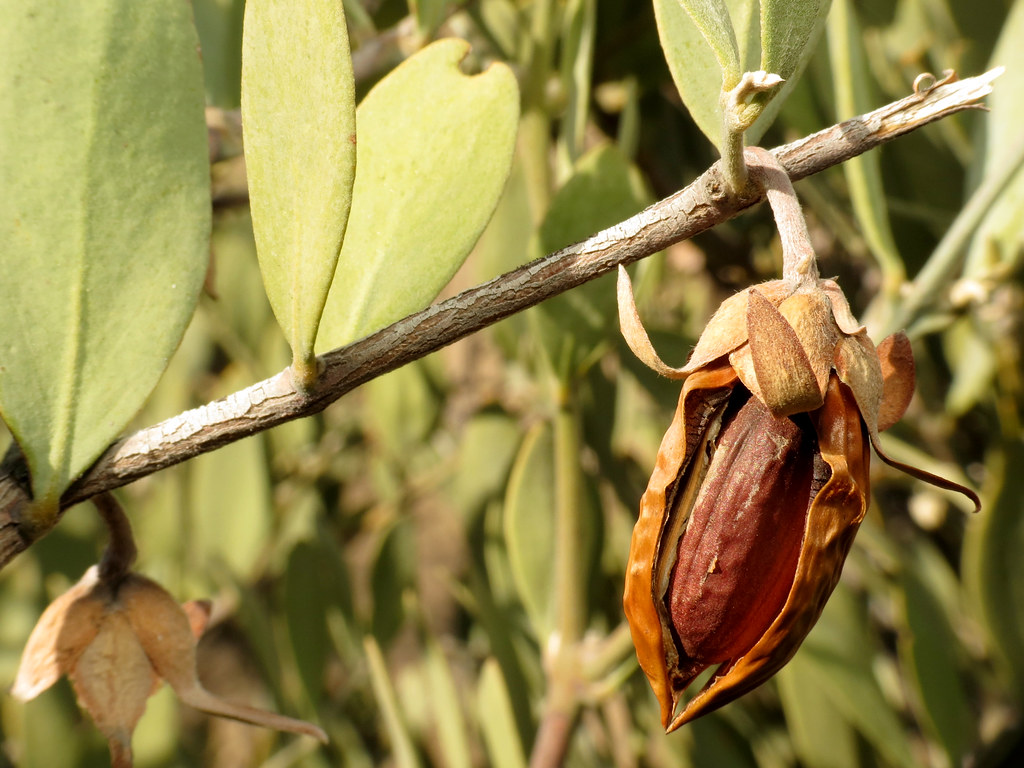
point(393, 574)
point(576, 70)
point(837, 653)
point(695, 69)
point(928, 649)
point(789, 31)
point(435, 148)
point(992, 566)
point(821, 735)
point(972, 349)
point(498, 724)
point(219, 23)
point(604, 189)
point(403, 751)
point(401, 409)
point(104, 219)
point(299, 121)
point(230, 506)
point(530, 526)
point(306, 602)
point(429, 14)
point(713, 19)
point(487, 447)
point(999, 237)
point(452, 735)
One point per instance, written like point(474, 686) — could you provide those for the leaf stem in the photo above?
point(738, 114)
point(561, 704)
point(535, 127)
point(948, 255)
point(121, 551)
point(799, 263)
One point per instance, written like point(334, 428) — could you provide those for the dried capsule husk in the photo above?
point(771, 566)
point(793, 350)
point(762, 479)
point(745, 528)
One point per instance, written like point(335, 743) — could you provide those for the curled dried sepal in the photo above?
point(116, 641)
point(66, 627)
point(635, 334)
point(694, 428)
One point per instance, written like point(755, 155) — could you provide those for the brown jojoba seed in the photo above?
point(745, 529)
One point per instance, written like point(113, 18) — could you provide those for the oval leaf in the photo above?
point(604, 188)
point(696, 69)
point(530, 526)
point(789, 31)
point(787, 35)
point(104, 219)
point(713, 20)
point(299, 121)
point(435, 149)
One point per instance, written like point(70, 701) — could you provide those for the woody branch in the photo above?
point(703, 204)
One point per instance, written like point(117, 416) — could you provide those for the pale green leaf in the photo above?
point(576, 70)
point(530, 526)
point(434, 151)
point(992, 566)
point(821, 736)
point(402, 749)
point(452, 734)
point(401, 409)
point(999, 237)
point(230, 509)
point(104, 218)
point(219, 23)
point(789, 31)
point(429, 14)
point(838, 651)
point(497, 721)
point(604, 188)
point(713, 19)
point(298, 115)
point(972, 349)
point(487, 447)
point(928, 650)
point(695, 69)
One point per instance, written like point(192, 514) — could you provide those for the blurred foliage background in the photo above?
point(427, 565)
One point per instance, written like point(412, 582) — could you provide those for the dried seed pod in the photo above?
point(762, 479)
point(116, 634)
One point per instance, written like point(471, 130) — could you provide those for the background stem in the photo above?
point(561, 705)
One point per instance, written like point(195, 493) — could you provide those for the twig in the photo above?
point(700, 206)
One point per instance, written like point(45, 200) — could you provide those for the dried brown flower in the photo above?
point(116, 634)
